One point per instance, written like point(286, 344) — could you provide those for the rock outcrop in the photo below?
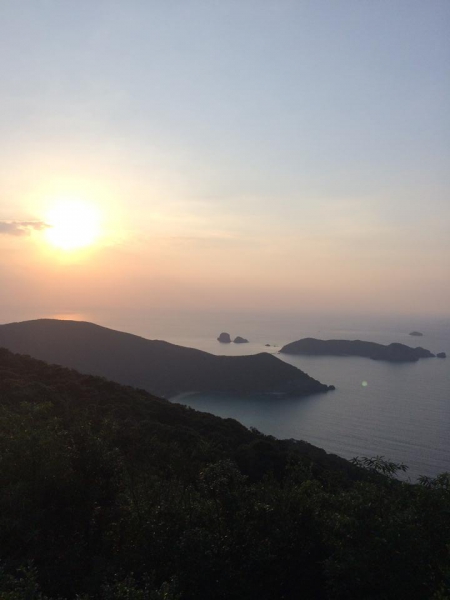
point(224, 338)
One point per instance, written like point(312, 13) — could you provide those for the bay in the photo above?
point(399, 411)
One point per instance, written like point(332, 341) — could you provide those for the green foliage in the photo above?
point(378, 464)
point(110, 493)
point(20, 586)
point(130, 589)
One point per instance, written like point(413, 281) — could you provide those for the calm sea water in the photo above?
point(400, 411)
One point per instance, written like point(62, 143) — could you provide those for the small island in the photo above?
point(416, 333)
point(441, 355)
point(392, 352)
point(224, 338)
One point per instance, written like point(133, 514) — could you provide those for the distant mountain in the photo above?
point(391, 353)
point(156, 366)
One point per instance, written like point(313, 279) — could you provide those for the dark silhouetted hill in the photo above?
point(391, 353)
point(156, 366)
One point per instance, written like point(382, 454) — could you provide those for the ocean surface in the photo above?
point(399, 411)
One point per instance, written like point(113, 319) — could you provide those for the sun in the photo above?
point(73, 224)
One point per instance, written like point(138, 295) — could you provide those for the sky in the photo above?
point(235, 155)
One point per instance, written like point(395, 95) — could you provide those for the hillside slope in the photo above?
point(159, 367)
point(110, 493)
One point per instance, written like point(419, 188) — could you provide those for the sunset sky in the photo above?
point(242, 154)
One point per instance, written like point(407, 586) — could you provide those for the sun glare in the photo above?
point(73, 224)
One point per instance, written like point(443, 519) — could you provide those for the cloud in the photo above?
point(18, 228)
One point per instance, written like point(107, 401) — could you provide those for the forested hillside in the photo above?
point(108, 492)
point(159, 367)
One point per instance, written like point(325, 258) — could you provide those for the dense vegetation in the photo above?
point(392, 352)
point(108, 492)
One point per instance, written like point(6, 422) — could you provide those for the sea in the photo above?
point(398, 411)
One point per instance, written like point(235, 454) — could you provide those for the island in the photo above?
point(441, 355)
point(224, 338)
point(416, 333)
point(240, 340)
point(393, 352)
point(156, 366)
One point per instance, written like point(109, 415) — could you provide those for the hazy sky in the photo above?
point(271, 154)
